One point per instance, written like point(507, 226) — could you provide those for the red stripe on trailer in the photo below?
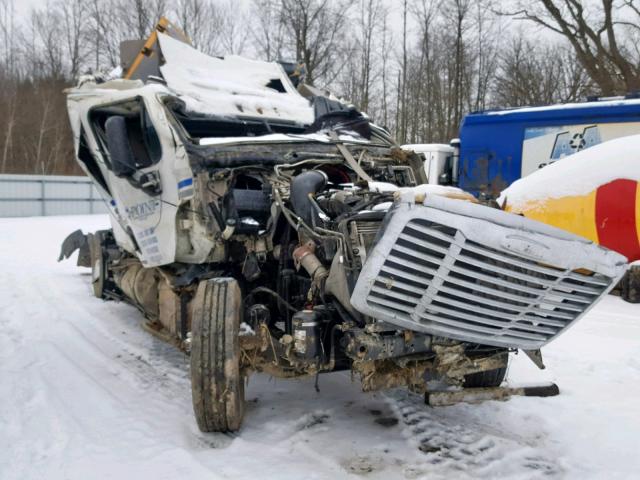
point(616, 217)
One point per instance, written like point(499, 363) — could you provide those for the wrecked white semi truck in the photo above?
point(260, 230)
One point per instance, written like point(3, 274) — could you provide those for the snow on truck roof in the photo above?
point(231, 85)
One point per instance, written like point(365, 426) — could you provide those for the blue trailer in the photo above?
point(498, 147)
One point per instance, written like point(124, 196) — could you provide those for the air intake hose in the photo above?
point(303, 187)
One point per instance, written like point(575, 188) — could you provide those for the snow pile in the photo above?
point(231, 85)
point(578, 174)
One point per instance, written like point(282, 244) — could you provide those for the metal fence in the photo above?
point(39, 195)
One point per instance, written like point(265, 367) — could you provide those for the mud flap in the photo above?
point(76, 241)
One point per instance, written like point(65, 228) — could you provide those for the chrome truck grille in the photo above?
point(468, 272)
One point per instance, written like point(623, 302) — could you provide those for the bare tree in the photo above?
point(137, 17)
point(402, 110)
point(45, 42)
point(456, 13)
point(74, 17)
point(371, 15)
point(485, 27)
point(43, 127)
point(234, 34)
point(597, 34)
point(386, 43)
point(9, 76)
point(530, 74)
point(9, 32)
point(8, 130)
point(314, 27)
point(202, 21)
point(102, 34)
point(425, 12)
point(269, 29)
point(359, 79)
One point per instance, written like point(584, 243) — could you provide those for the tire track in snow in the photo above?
point(111, 339)
point(455, 441)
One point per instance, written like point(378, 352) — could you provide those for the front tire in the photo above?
point(217, 385)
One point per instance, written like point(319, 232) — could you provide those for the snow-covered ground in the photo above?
point(86, 394)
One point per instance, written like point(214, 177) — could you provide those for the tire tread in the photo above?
point(218, 393)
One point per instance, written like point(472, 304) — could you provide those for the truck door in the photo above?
point(132, 151)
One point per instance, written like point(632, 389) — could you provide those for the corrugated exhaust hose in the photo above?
point(302, 187)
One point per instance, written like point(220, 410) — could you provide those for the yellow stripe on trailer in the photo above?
point(575, 214)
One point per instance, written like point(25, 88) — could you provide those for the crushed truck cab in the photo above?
point(260, 230)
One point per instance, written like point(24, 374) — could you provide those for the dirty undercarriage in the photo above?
point(308, 245)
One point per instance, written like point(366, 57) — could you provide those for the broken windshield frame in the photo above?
point(195, 126)
point(147, 150)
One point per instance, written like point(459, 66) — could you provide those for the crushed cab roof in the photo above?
point(232, 85)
